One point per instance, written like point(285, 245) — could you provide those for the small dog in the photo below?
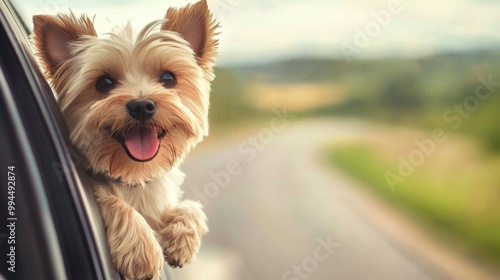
point(134, 109)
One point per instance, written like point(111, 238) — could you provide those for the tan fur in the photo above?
point(139, 202)
point(206, 50)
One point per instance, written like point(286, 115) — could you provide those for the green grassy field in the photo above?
point(461, 200)
point(414, 92)
point(457, 189)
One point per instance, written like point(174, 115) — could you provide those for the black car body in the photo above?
point(51, 226)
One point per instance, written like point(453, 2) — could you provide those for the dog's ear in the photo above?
point(53, 35)
point(196, 25)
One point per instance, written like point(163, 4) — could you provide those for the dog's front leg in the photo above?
point(183, 225)
point(135, 250)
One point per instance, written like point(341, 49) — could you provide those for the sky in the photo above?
point(260, 31)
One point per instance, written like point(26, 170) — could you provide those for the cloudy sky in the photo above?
point(256, 31)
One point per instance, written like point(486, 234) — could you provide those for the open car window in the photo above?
point(57, 229)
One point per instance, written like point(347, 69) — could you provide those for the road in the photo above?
point(276, 212)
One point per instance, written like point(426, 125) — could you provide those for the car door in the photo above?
point(51, 227)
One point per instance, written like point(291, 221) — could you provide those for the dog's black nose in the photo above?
point(141, 109)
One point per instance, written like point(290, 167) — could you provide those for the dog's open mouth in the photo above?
point(141, 145)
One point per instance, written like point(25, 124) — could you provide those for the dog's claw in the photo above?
point(171, 262)
point(174, 264)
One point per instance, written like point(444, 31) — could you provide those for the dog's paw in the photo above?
point(180, 244)
point(180, 238)
point(137, 253)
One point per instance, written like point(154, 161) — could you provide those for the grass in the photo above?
point(461, 201)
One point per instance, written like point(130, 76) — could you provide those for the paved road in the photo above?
point(276, 213)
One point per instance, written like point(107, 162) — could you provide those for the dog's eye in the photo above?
point(105, 84)
point(168, 79)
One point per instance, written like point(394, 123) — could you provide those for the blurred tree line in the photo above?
point(426, 92)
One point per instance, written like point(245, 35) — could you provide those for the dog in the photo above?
point(135, 107)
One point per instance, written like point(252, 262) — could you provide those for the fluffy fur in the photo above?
point(140, 203)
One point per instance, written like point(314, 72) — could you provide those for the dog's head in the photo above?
point(133, 107)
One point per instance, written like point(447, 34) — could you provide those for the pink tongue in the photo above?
point(142, 144)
